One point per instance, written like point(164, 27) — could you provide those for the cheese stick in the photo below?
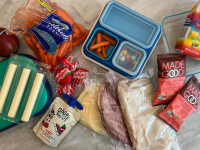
point(6, 85)
point(19, 92)
point(32, 97)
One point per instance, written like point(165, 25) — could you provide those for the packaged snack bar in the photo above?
point(48, 30)
point(185, 103)
point(58, 121)
point(188, 41)
point(171, 77)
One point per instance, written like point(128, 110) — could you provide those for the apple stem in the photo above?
point(2, 31)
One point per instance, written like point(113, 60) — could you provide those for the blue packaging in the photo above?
point(51, 32)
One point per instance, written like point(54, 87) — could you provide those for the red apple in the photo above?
point(9, 44)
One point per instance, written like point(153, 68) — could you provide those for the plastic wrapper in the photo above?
point(69, 77)
point(48, 30)
point(25, 91)
point(102, 114)
point(147, 131)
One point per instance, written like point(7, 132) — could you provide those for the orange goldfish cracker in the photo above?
point(105, 43)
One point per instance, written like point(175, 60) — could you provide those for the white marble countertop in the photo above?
point(79, 138)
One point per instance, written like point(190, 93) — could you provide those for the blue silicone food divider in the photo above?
point(129, 24)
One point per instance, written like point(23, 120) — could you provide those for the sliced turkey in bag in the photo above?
point(147, 131)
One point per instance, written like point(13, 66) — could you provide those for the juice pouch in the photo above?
point(185, 103)
point(189, 42)
point(57, 121)
point(171, 77)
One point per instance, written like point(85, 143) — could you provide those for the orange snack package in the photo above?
point(48, 30)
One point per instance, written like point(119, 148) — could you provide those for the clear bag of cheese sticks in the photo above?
point(101, 112)
point(147, 131)
point(23, 93)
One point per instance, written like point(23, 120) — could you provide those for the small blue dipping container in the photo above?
point(135, 35)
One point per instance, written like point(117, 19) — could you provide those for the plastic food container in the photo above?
point(88, 10)
point(130, 25)
point(128, 28)
point(44, 101)
point(129, 58)
point(111, 48)
point(172, 28)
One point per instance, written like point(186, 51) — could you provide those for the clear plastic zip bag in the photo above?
point(147, 131)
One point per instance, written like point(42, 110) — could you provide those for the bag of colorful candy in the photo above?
point(48, 30)
point(70, 76)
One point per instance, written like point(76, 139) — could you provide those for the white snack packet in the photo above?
point(57, 122)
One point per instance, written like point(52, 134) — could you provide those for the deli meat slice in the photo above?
point(111, 115)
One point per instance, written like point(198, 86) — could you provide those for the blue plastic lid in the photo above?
point(129, 58)
point(72, 102)
point(130, 25)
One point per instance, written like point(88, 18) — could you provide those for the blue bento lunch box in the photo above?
point(136, 37)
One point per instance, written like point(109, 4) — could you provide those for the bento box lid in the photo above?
point(130, 25)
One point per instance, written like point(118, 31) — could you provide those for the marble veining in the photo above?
point(80, 138)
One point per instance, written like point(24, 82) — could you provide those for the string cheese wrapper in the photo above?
point(32, 97)
point(19, 92)
point(6, 85)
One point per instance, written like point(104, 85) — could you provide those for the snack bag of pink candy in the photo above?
point(69, 75)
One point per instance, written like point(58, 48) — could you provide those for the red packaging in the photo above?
point(171, 77)
point(185, 103)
